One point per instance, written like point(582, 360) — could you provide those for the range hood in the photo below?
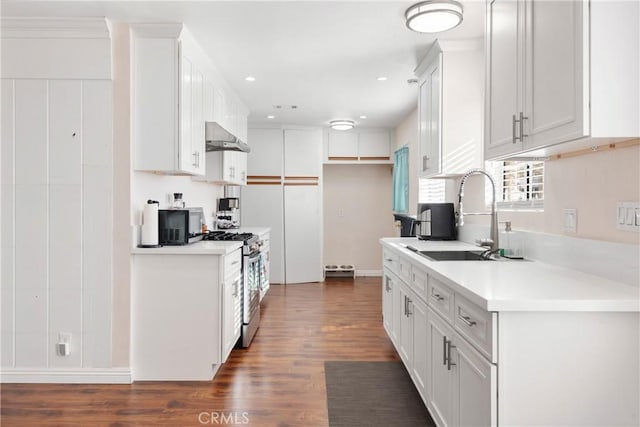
point(218, 138)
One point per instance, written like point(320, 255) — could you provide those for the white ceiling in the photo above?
point(322, 56)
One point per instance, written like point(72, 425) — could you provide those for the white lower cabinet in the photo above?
point(232, 303)
point(461, 382)
point(404, 344)
point(453, 374)
point(388, 306)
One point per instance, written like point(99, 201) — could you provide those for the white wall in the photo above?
point(357, 201)
point(57, 200)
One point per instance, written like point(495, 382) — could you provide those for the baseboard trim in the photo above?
point(66, 376)
point(369, 273)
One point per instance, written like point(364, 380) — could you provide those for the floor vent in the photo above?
point(345, 270)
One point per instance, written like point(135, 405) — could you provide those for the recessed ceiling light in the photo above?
point(250, 79)
point(271, 117)
point(382, 78)
point(433, 16)
point(363, 117)
point(341, 124)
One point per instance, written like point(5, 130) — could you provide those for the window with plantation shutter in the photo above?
point(520, 184)
point(431, 190)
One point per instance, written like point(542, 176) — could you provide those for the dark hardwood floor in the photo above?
point(278, 381)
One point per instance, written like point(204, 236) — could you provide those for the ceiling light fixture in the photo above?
point(341, 124)
point(382, 78)
point(363, 117)
point(271, 117)
point(434, 16)
point(250, 79)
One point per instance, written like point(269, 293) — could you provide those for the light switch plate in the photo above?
point(570, 220)
point(628, 216)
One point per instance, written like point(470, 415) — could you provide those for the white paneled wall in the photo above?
point(57, 222)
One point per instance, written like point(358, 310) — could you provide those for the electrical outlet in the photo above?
point(628, 216)
point(63, 347)
point(570, 217)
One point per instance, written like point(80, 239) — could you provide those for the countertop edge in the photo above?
point(523, 305)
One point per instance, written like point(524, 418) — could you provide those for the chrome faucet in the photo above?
point(492, 242)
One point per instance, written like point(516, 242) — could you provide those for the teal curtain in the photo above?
point(401, 180)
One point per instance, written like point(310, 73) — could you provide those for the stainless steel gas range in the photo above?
point(251, 269)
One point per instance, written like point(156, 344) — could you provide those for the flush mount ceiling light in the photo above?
point(341, 124)
point(434, 16)
point(250, 79)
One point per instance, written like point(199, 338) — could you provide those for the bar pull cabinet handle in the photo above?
point(521, 121)
point(406, 303)
point(195, 159)
point(437, 297)
point(467, 320)
point(514, 138)
point(449, 362)
point(444, 350)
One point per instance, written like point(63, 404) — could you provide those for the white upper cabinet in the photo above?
point(266, 156)
point(450, 108)
point(302, 153)
point(342, 145)
point(168, 116)
point(363, 146)
point(175, 90)
point(540, 87)
point(374, 145)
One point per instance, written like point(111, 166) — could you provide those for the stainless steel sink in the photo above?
point(460, 255)
point(451, 255)
point(454, 255)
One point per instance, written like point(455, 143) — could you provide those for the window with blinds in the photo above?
point(520, 184)
point(431, 190)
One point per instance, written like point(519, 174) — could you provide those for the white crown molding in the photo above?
point(56, 28)
point(66, 376)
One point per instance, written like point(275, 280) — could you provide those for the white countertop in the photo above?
point(514, 285)
point(203, 247)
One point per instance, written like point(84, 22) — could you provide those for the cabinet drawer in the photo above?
point(404, 270)
point(419, 282)
point(390, 261)
point(232, 263)
point(475, 324)
point(440, 298)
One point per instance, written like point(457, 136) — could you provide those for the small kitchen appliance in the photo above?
point(228, 214)
point(436, 221)
point(180, 226)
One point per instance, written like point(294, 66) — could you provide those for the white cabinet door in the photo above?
point(475, 386)
point(387, 305)
point(405, 338)
point(302, 153)
point(186, 154)
point(423, 128)
point(262, 206)
point(418, 311)
point(197, 122)
point(502, 100)
point(343, 145)
point(266, 156)
point(374, 145)
point(303, 237)
point(554, 73)
point(439, 379)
